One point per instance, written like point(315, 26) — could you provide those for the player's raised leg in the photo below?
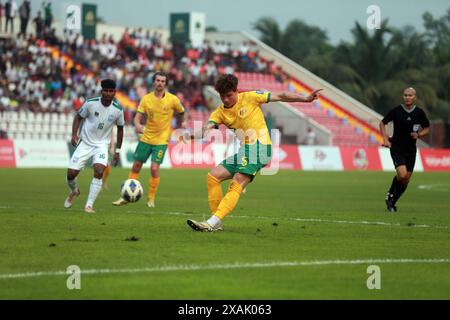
point(214, 187)
point(226, 205)
point(215, 196)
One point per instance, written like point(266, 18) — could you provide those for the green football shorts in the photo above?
point(249, 159)
point(144, 150)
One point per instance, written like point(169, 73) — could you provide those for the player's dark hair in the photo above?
point(161, 74)
point(108, 84)
point(226, 83)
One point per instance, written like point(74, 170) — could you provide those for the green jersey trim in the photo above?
point(93, 99)
point(117, 105)
point(215, 124)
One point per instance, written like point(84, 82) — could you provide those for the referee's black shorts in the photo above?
point(404, 157)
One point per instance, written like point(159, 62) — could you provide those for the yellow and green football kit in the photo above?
point(154, 140)
point(157, 130)
point(247, 119)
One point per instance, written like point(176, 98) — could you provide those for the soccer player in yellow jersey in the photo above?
point(241, 112)
point(158, 106)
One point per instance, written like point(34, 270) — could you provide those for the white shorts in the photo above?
point(84, 152)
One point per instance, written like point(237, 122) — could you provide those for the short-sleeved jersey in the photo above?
point(159, 114)
point(99, 121)
point(245, 117)
point(406, 121)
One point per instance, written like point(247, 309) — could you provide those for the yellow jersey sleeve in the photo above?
point(260, 96)
point(216, 117)
point(142, 105)
point(177, 106)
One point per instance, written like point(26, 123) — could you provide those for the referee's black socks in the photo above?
point(394, 185)
point(396, 190)
point(399, 191)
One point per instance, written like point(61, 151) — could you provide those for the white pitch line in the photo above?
point(379, 223)
point(434, 187)
point(237, 265)
point(347, 222)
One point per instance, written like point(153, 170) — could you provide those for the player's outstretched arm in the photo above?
point(294, 97)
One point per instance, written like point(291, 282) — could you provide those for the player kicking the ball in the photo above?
point(100, 114)
point(241, 112)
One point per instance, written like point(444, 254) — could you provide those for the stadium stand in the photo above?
point(343, 133)
point(44, 80)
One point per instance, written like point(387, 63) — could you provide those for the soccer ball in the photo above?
point(131, 190)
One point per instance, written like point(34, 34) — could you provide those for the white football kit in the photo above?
point(96, 132)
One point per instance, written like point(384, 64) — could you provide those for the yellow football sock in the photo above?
point(133, 175)
point(106, 173)
point(229, 201)
point(152, 188)
point(214, 192)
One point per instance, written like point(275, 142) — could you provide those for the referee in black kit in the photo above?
point(410, 123)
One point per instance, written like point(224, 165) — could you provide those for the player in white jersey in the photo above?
point(99, 115)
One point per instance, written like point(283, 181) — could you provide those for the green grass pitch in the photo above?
point(294, 235)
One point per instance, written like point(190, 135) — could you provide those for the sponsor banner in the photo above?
point(55, 154)
point(418, 167)
point(7, 156)
point(386, 160)
point(320, 158)
point(285, 157)
point(388, 165)
point(193, 155)
point(360, 158)
point(435, 159)
point(127, 159)
point(41, 154)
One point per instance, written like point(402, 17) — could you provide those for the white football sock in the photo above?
point(94, 190)
point(214, 221)
point(72, 184)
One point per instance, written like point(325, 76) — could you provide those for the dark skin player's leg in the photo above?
point(99, 169)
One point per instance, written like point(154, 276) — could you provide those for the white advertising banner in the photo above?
point(320, 158)
point(41, 154)
point(419, 165)
point(388, 165)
